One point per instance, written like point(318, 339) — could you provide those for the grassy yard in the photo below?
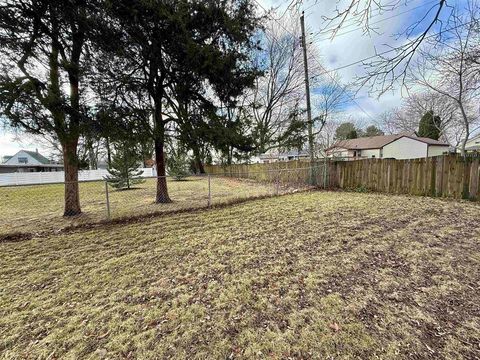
point(40, 207)
point(312, 275)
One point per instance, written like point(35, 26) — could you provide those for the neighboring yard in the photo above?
point(40, 207)
point(312, 275)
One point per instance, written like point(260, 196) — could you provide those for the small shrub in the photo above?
point(124, 171)
point(361, 189)
point(178, 165)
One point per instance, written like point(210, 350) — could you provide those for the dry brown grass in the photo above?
point(39, 208)
point(315, 275)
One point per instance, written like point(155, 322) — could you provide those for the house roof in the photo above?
point(285, 154)
point(372, 142)
point(37, 156)
point(378, 142)
point(475, 137)
point(31, 166)
point(6, 158)
point(429, 141)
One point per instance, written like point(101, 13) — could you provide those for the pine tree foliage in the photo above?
point(178, 164)
point(124, 170)
point(429, 126)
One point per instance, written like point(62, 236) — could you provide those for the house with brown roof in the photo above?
point(398, 146)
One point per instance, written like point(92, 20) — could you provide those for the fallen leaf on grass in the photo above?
point(334, 326)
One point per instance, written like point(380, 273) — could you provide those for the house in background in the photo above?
point(28, 161)
point(473, 144)
point(286, 156)
point(399, 146)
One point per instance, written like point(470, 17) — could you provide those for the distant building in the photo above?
point(28, 161)
point(286, 156)
point(400, 146)
point(6, 158)
point(473, 144)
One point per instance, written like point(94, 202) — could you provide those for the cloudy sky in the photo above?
point(351, 44)
point(347, 47)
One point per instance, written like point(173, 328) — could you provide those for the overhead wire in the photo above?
point(321, 66)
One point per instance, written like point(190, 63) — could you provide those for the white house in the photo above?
point(399, 146)
point(286, 156)
point(28, 161)
point(473, 144)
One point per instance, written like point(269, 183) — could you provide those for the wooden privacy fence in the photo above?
point(446, 176)
point(294, 172)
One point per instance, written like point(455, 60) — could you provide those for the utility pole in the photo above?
point(311, 141)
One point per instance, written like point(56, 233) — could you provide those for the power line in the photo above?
point(391, 50)
point(353, 21)
point(374, 23)
point(319, 64)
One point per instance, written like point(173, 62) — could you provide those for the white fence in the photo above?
point(31, 178)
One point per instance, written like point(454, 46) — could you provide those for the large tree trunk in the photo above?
point(109, 154)
point(70, 163)
point(198, 160)
point(467, 129)
point(162, 190)
point(159, 138)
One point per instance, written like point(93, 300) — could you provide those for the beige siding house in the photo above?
point(473, 144)
point(399, 146)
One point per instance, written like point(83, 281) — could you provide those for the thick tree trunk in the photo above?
point(201, 169)
point(162, 190)
point(109, 154)
point(198, 161)
point(467, 129)
point(70, 163)
point(159, 141)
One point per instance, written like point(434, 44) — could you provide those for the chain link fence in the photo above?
point(40, 208)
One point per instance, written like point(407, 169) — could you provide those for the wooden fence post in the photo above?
point(474, 174)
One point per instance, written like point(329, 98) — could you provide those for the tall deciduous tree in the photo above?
point(279, 91)
point(43, 50)
point(405, 117)
point(444, 67)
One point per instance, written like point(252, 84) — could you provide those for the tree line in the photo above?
point(208, 78)
point(198, 75)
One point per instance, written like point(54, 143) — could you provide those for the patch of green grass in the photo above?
point(313, 275)
point(40, 207)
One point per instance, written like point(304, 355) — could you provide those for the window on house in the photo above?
point(22, 160)
point(373, 156)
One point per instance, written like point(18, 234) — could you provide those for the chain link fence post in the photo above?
point(209, 192)
point(107, 198)
point(277, 182)
point(325, 164)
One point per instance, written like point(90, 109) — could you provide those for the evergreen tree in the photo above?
point(166, 43)
point(43, 49)
point(429, 126)
point(346, 131)
point(372, 130)
point(124, 172)
point(178, 164)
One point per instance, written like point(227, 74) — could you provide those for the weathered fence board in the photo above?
point(442, 176)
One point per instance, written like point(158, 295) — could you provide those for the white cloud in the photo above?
point(11, 144)
point(350, 46)
point(343, 49)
